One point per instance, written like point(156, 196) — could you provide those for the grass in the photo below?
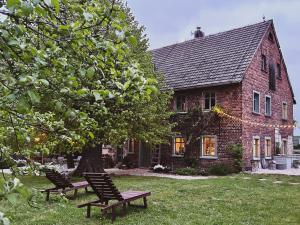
point(224, 200)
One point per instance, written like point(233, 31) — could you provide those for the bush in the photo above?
point(220, 170)
point(186, 171)
point(127, 162)
point(236, 150)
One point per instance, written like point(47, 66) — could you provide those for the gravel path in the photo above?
point(292, 171)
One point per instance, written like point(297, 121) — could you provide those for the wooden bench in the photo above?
point(104, 188)
point(63, 185)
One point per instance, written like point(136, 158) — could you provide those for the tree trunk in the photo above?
point(91, 161)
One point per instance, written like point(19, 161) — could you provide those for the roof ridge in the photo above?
point(210, 35)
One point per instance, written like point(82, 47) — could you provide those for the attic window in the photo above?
point(263, 63)
point(271, 37)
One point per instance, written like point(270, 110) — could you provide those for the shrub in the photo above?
point(220, 170)
point(190, 162)
point(236, 150)
point(127, 162)
point(186, 171)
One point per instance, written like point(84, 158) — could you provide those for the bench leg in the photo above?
point(113, 214)
point(145, 202)
point(47, 195)
point(88, 211)
point(75, 193)
point(124, 209)
point(86, 190)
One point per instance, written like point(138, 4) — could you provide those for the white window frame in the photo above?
point(174, 146)
point(284, 117)
point(256, 92)
point(131, 142)
point(268, 156)
point(268, 96)
point(259, 150)
point(209, 92)
point(184, 110)
point(202, 156)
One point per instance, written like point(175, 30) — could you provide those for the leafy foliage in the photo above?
point(186, 171)
point(220, 170)
point(236, 150)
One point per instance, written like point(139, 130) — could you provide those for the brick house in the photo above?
point(243, 71)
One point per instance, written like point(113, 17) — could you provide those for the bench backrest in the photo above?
point(103, 186)
point(57, 179)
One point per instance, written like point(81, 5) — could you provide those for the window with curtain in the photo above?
point(209, 146)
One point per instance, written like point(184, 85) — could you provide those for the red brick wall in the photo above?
point(258, 80)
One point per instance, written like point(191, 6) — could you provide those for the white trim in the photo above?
point(208, 92)
point(268, 96)
point(184, 110)
point(282, 113)
point(256, 92)
point(202, 156)
point(269, 156)
point(259, 150)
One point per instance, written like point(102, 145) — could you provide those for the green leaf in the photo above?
point(44, 82)
point(23, 106)
point(90, 72)
point(55, 3)
point(132, 40)
point(12, 3)
point(97, 95)
point(127, 84)
point(91, 135)
point(34, 96)
point(12, 198)
point(87, 16)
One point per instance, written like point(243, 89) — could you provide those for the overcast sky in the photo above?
point(171, 21)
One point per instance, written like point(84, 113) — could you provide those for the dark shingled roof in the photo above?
point(216, 59)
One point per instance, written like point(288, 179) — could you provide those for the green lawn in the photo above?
point(224, 200)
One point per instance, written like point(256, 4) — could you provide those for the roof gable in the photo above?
point(216, 59)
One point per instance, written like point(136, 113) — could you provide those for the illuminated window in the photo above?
point(179, 146)
point(131, 146)
point(209, 100)
point(268, 148)
point(256, 148)
point(284, 111)
point(209, 146)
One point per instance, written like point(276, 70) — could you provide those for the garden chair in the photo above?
point(104, 188)
point(62, 184)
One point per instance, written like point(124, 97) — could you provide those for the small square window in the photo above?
point(209, 100)
point(256, 102)
point(263, 63)
point(268, 110)
point(179, 146)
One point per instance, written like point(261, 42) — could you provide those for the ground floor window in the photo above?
point(256, 147)
point(209, 146)
point(179, 146)
point(268, 148)
point(284, 147)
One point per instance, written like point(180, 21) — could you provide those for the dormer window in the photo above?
point(263, 63)
point(180, 103)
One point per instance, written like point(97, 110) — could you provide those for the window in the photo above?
point(256, 147)
point(179, 146)
point(131, 146)
point(279, 70)
point(284, 147)
point(209, 100)
point(256, 102)
point(268, 148)
point(272, 79)
point(209, 146)
point(180, 104)
point(284, 111)
point(263, 63)
point(268, 110)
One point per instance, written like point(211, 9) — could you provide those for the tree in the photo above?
point(74, 76)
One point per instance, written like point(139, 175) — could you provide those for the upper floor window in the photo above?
point(131, 146)
point(209, 100)
point(268, 110)
point(279, 70)
point(180, 103)
point(256, 147)
point(272, 80)
point(263, 63)
point(256, 102)
point(209, 146)
point(179, 146)
point(284, 111)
